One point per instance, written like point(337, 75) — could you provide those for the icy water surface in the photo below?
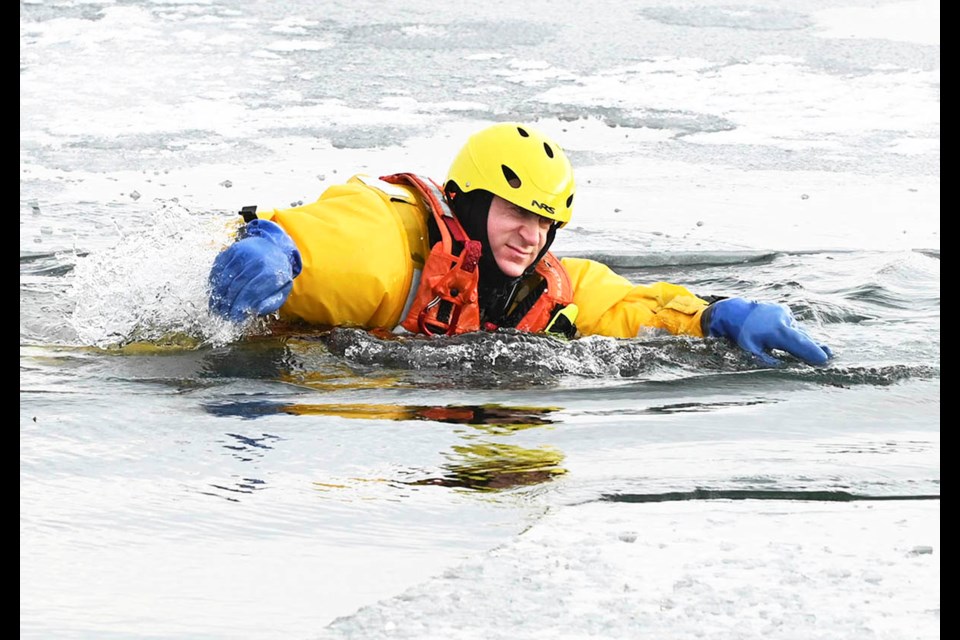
point(183, 478)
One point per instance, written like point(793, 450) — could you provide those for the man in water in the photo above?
point(406, 254)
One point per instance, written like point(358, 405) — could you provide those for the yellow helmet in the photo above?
point(519, 164)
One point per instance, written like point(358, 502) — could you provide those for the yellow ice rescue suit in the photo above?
point(367, 263)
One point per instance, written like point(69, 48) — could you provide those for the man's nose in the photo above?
point(530, 229)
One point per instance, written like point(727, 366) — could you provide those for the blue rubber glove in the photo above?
point(254, 275)
point(759, 327)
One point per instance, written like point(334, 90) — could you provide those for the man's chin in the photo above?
point(512, 269)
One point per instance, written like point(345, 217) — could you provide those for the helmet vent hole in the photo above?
point(523, 132)
point(512, 178)
point(547, 148)
point(570, 201)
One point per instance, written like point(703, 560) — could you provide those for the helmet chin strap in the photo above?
point(551, 235)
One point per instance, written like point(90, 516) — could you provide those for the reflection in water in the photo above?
point(495, 466)
point(337, 376)
point(479, 464)
point(502, 419)
point(484, 466)
point(247, 448)
point(491, 418)
point(242, 486)
point(172, 342)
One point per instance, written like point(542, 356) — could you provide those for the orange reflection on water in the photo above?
point(506, 418)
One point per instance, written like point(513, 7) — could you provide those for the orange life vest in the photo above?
point(446, 301)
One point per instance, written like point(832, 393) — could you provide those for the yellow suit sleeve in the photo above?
point(357, 266)
point(610, 305)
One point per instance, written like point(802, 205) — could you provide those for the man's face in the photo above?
point(516, 236)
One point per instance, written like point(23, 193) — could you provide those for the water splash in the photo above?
point(152, 285)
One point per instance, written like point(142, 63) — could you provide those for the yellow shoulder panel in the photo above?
point(356, 251)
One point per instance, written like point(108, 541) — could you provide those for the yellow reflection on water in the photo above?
point(495, 466)
point(476, 465)
point(342, 379)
